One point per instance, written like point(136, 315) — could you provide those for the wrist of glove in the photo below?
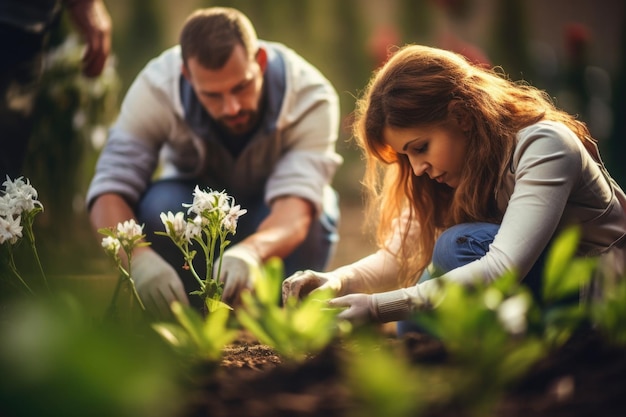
point(157, 283)
point(240, 264)
point(302, 283)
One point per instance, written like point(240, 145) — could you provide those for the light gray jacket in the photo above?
point(163, 132)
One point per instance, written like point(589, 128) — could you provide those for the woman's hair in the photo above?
point(421, 86)
point(211, 34)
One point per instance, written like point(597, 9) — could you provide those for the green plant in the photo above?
point(56, 361)
point(126, 236)
point(484, 331)
point(564, 276)
point(18, 208)
point(214, 217)
point(294, 330)
point(381, 379)
point(195, 337)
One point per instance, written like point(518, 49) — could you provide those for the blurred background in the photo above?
point(574, 49)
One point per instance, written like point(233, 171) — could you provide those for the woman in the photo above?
point(471, 174)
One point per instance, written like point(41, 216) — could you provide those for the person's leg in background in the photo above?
point(457, 246)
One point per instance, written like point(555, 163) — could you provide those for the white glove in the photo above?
point(301, 283)
point(157, 283)
point(361, 308)
point(240, 263)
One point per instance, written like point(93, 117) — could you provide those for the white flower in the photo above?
point(232, 215)
point(111, 244)
point(512, 313)
point(6, 206)
point(207, 201)
point(194, 228)
point(175, 224)
point(21, 196)
point(10, 229)
point(129, 229)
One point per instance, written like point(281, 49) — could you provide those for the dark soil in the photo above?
point(584, 378)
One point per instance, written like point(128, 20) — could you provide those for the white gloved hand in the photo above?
point(157, 283)
point(301, 283)
point(359, 308)
point(240, 263)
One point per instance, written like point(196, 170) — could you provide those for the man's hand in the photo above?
point(93, 21)
point(301, 283)
point(360, 308)
point(239, 264)
point(157, 283)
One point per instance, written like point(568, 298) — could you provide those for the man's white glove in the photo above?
point(157, 283)
point(301, 283)
point(240, 263)
point(360, 308)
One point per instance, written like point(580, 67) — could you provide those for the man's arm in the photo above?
point(284, 229)
point(108, 210)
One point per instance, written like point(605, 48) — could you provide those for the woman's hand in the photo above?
point(302, 283)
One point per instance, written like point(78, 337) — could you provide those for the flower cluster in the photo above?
point(18, 207)
point(127, 236)
point(211, 217)
point(19, 199)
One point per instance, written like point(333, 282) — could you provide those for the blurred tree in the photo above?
point(139, 38)
point(509, 46)
point(617, 141)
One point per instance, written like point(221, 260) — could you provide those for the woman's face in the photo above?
point(438, 152)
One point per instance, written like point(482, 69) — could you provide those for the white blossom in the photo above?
point(111, 244)
point(6, 206)
point(232, 215)
point(194, 228)
point(207, 201)
point(512, 313)
point(129, 229)
point(20, 196)
point(10, 229)
point(175, 224)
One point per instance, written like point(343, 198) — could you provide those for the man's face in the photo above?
point(232, 94)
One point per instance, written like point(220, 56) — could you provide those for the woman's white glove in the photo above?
point(157, 283)
point(301, 283)
point(240, 264)
point(360, 308)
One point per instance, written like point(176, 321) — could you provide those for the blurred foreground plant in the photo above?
point(195, 337)
point(56, 362)
point(295, 330)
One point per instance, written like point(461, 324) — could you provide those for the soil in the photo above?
point(586, 377)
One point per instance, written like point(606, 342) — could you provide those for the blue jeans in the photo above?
point(168, 195)
point(462, 244)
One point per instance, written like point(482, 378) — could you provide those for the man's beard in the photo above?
point(228, 124)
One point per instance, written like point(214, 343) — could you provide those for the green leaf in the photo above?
point(559, 256)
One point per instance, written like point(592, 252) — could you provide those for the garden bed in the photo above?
point(583, 378)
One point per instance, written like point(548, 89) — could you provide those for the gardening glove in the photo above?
point(157, 283)
point(240, 264)
point(301, 283)
point(389, 306)
point(360, 308)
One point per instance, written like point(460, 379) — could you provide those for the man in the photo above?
point(25, 27)
point(226, 111)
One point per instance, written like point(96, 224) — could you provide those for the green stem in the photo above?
point(113, 304)
point(31, 239)
point(17, 274)
point(132, 282)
